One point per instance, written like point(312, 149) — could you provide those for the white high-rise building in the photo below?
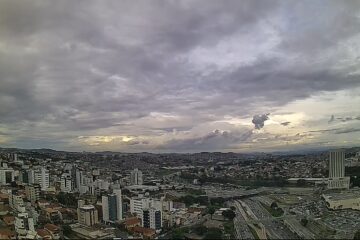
point(136, 177)
point(152, 218)
point(112, 206)
point(79, 178)
point(138, 204)
point(41, 176)
point(66, 183)
point(337, 179)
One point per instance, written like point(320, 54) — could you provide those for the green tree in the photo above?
point(229, 214)
point(211, 210)
point(217, 201)
point(202, 200)
point(67, 199)
point(66, 229)
point(188, 200)
point(274, 205)
point(301, 183)
point(179, 233)
point(304, 222)
point(200, 230)
point(357, 235)
point(213, 233)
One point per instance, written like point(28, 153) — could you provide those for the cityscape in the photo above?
point(47, 194)
point(179, 119)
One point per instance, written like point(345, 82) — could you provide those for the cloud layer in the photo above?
point(177, 75)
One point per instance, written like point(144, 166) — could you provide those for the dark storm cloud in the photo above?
point(285, 123)
point(259, 120)
point(343, 119)
point(332, 118)
point(347, 119)
point(73, 67)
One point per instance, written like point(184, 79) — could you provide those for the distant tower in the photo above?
point(337, 164)
point(136, 177)
point(337, 179)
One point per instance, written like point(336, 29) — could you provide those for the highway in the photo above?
point(274, 228)
point(248, 216)
point(257, 217)
point(241, 228)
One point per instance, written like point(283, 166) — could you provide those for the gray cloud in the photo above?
point(336, 130)
point(343, 119)
point(80, 68)
point(215, 140)
point(348, 130)
point(259, 120)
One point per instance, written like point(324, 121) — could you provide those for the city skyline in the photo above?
point(179, 76)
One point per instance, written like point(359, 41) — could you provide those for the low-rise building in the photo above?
point(7, 234)
point(87, 215)
point(132, 222)
point(32, 192)
point(343, 200)
point(54, 230)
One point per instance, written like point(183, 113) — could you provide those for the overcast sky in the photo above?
point(179, 76)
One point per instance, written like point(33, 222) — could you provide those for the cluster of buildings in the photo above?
point(39, 196)
point(32, 191)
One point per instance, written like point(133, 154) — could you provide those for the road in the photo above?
point(248, 217)
point(275, 229)
point(241, 228)
point(261, 221)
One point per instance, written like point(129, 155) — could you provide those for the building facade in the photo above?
point(136, 177)
point(33, 192)
point(112, 206)
point(87, 215)
point(66, 183)
point(41, 176)
point(152, 218)
point(337, 179)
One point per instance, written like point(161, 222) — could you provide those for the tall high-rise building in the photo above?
point(138, 204)
point(152, 218)
point(119, 206)
point(6, 175)
point(24, 176)
point(136, 177)
point(112, 206)
point(79, 178)
point(337, 179)
point(66, 183)
point(337, 164)
point(41, 176)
